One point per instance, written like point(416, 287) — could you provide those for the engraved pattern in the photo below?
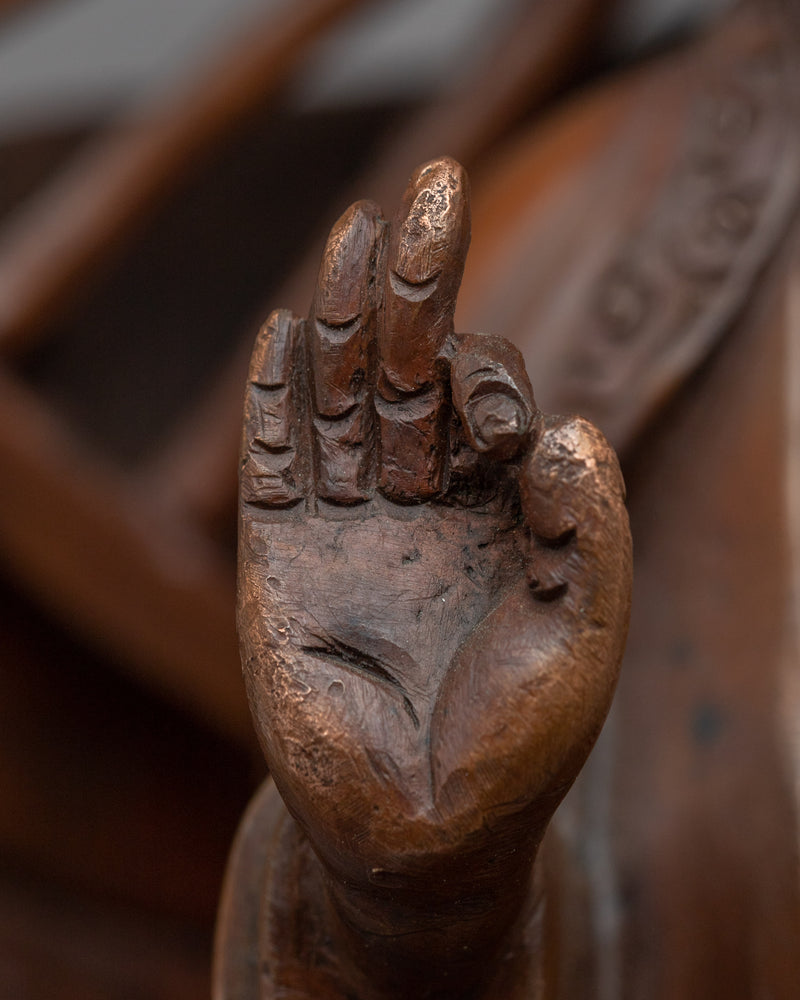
point(680, 277)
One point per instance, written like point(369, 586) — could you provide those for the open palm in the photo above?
point(434, 582)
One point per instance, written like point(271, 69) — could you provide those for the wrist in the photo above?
point(442, 937)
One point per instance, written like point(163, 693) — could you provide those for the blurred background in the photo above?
point(168, 171)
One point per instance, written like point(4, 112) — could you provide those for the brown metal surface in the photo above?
point(434, 589)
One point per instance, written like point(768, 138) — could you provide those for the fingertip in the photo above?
point(492, 395)
point(432, 226)
point(570, 476)
point(498, 425)
point(579, 444)
point(272, 359)
point(348, 264)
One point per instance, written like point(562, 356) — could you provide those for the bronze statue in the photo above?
point(434, 590)
point(639, 243)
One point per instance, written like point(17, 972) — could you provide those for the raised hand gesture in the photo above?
point(433, 601)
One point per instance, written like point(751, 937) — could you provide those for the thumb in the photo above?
point(573, 501)
point(526, 697)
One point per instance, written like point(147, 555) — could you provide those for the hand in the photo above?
point(434, 588)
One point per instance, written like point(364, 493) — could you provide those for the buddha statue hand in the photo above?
point(434, 591)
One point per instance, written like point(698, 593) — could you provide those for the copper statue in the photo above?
point(434, 590)
point(637, 238)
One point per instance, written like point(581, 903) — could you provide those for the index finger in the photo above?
point(427, 250)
